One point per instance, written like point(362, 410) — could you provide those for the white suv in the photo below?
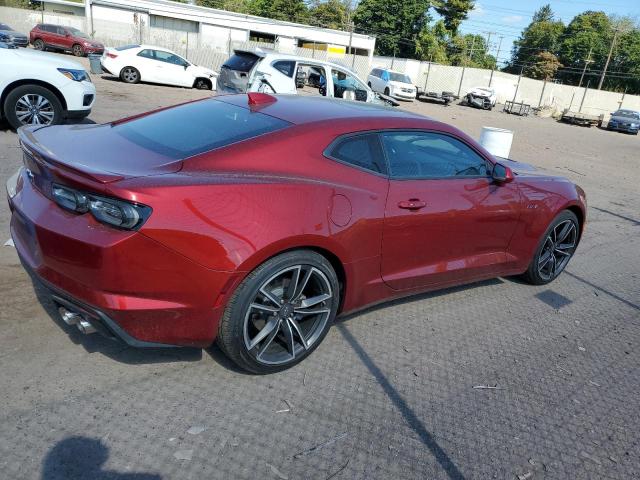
point(392, 84)
point(40, 88)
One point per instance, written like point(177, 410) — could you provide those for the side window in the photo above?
point(385, 76)
point(362, 151)
point(431, 155)
point(286, 67)
point(146, 53)
point(61, 31)
point(345, 82)
point(169, 57)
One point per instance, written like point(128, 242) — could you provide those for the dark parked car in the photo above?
point(271, 217)
point(625, 121)
point(9, 36)
point(57, 37)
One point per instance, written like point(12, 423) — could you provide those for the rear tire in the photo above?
point(130, 75)
point(77, 50)
point(386, 91)
point(266, 333)
point(20, 101)
point(557, 246)
point(38, 44)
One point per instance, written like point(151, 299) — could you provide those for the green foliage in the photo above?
point(329, 14)
point(543, 34)
point(395, 23)
point(470, 51)
point(454, 12)
point(288, 10)
point(20, 4)
point(545, 65)
point(431, 43)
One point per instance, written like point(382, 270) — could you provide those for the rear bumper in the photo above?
point(140, 291)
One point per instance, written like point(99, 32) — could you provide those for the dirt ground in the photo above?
point(390, 392)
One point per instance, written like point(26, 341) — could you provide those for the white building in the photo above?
point(145, 21)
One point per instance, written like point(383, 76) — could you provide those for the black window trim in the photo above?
point(340, 138)
point(489, 162)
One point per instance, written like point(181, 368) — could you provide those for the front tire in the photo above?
point(77, 50)
point(130, 75)
point(280, 313)
point(32, 105)
point(556, 248)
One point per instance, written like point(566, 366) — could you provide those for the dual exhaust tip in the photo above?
point(74, 318)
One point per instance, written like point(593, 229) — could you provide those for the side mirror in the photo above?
point(501, 174)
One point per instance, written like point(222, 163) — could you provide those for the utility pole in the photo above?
point(473, 42)
point(498, 52)
point(350, 37)
point(586, 63)
point(606, 65)
point(486, 50)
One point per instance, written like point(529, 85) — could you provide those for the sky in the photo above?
point(507, 18)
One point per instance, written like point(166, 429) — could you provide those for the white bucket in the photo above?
point(496, 141)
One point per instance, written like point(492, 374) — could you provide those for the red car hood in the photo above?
point(95, 152)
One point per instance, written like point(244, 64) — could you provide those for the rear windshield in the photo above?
point(197, 127)
point(241, 62)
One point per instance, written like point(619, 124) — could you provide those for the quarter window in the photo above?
point(362, 151)
point(431, 155)
point(285, 67)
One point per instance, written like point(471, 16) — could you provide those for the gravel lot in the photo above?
point(390, 393)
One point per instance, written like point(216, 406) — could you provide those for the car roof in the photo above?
point(306, 109)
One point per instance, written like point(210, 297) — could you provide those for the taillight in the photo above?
point(110, 211)
point(111, 55)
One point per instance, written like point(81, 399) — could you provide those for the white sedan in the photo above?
point(38, 88)
point(135, 63)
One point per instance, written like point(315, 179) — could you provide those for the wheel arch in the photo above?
point(328, 250)
point(208, 80)
point(19, 83)
point(578, 212)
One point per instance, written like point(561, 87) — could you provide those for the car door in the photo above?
point(283, 78)
point(146, 64)
point(343, 81)
point(446, 220)
point(64, 38)
point(171, 69)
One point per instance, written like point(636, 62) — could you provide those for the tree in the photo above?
point(543, 34)
point(543, 14)
point(589, 32)
point(544, 67)
point(454, 12)
point(431, 43)
point(288, 10)
point(329, 14)
point(240, 6)
point(470, 51)
point(395, 23)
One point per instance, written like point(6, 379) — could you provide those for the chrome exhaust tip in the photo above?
point(86, 327)
point(69, 317)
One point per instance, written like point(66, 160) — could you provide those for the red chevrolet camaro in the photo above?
point(255, 220)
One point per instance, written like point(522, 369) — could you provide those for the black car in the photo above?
point(9, 36)
point(625, 121)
